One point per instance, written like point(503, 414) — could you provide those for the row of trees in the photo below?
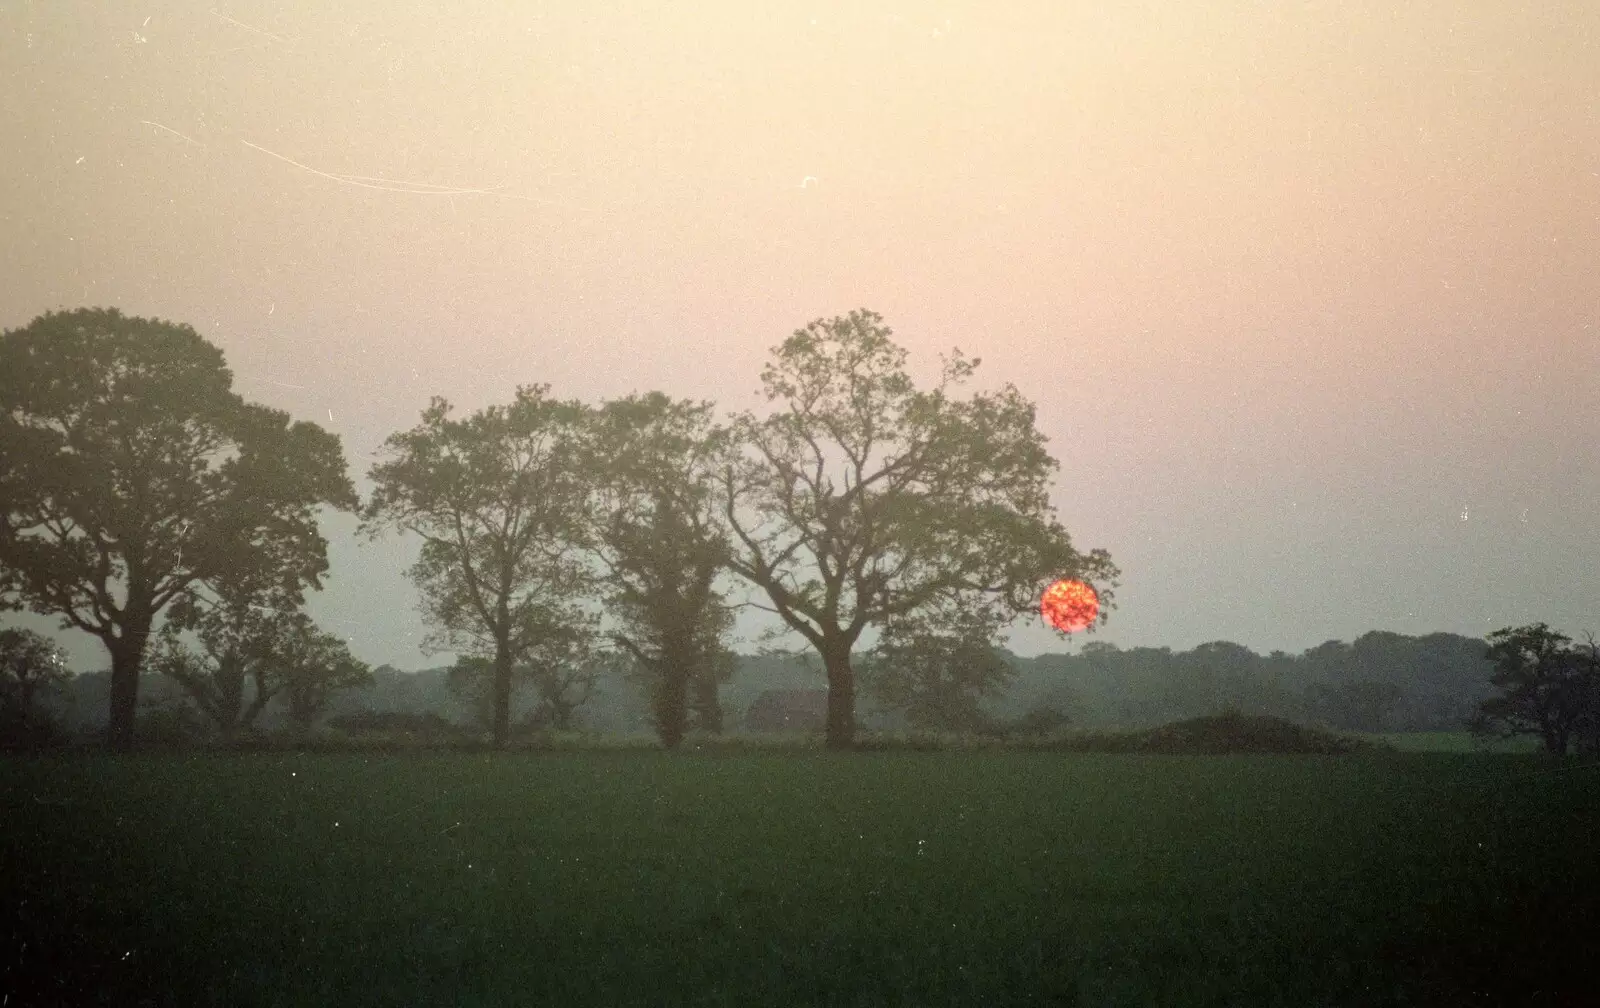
point(135, 485)
point(1381, 681)
point(1522, 681)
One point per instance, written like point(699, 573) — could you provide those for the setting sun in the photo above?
point(1069, 606)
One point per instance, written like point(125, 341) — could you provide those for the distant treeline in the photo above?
point(1382, 682)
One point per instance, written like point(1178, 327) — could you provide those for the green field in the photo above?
point(1455, 742)
point(636, 878)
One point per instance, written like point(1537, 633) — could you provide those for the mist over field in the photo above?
point(624, 503)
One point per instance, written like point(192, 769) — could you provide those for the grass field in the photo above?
point(632, 878)
point(1455, 742)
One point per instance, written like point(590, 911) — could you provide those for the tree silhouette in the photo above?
point(659, 542)
point(499, 501)
point(1550, 688)
point(131, 471)
point(863, 500)
point(312, 665)
point(561, 671)
point(938, 667)
point(239, 618)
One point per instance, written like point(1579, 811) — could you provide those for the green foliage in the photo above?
point(1044, 728)
point(1364, 704)
point(32, 669)
point(1550, 688)
point(1049, 714)
point(1233, 732)
point(171, 724)
point(937, 666)
point(239, 618)
point(407, 726)
point(500, 501)
point(471, 678)
point(1382, 682)
point(863, 500)
point(132, 471)
point(658, 539)
point(312, 665)
point(559, 674)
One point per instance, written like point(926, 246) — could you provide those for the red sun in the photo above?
point(1069, 606)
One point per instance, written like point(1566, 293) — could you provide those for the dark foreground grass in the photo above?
point(632, 878)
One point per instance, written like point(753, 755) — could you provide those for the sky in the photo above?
point(1307, 294)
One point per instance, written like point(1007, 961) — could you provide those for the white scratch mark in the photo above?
point(417, 188)
point(330, 416)
point(272, 307)
point(241, 24)
point(382, 185)
point(805, 183)
point(174, 132)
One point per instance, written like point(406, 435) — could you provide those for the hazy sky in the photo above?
point(1308, 294)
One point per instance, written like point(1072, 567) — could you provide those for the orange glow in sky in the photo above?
point(1325, 271)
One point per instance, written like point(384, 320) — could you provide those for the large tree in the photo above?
point(498, 500)
point(1550, 688)
point(130, 471)
point(658, 538)
point(863, 500)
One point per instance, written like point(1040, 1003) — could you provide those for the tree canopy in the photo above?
point(863, 500)
point(938, 667)
point(1550, 687)
point(499, 502)
point(658, 538)
point(131, 471)
point(312, 665)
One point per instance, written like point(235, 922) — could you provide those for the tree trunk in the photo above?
point(303, 708)
point(672, 703)
point(671, 694)
point(230, 699)
point(258, 703)
point(501, 713)
point(841, 697)
point(127, 658)
point(707, 702)
point(27, 687)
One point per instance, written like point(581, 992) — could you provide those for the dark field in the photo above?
point(806, 879)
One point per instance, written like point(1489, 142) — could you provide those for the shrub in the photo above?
point(23, 730)
point(409, 725)
point(1040, 719)
point(1216, 734)
point(171, 723)
point(1233, 732)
